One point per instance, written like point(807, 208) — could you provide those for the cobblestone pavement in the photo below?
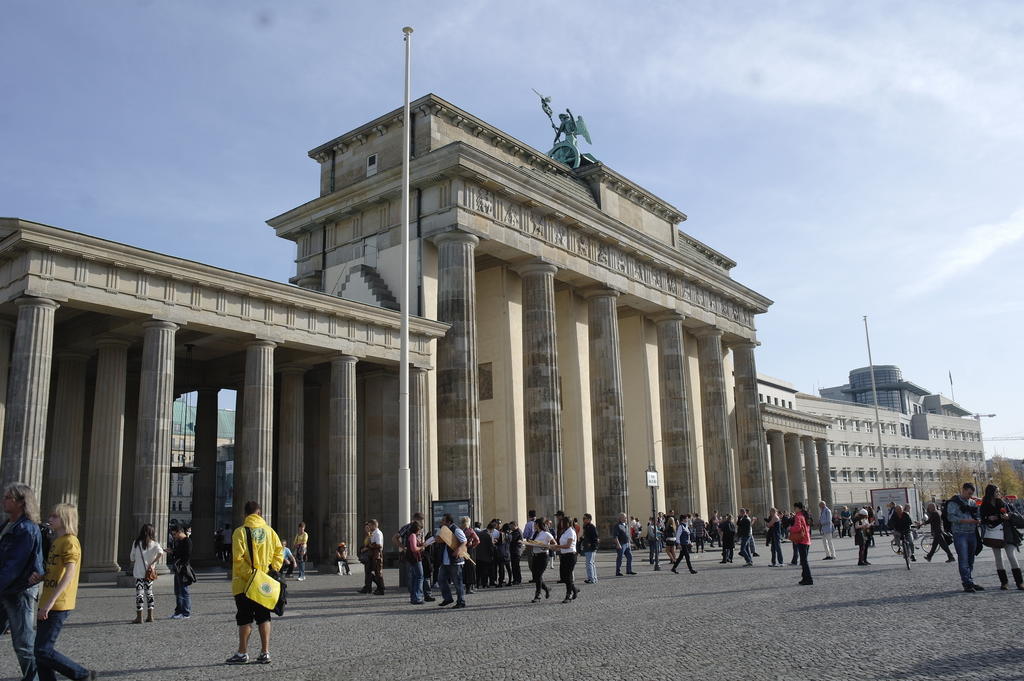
point(877, 623)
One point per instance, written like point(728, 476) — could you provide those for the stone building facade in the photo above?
point(590, 339)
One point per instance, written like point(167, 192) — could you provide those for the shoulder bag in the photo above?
point(262, 588)
point(993, 537)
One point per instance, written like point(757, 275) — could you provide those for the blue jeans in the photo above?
point(19, 611)
point(415, 581)
point(619, 553)
point(966, 544)
point(448, 575)
point(182, 597)
point(301, 560)
point(777, 558)
point(591, 557)
point(747, 548)
point(49, 660)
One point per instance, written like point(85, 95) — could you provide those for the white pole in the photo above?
point(874, 394)
point(404, 501)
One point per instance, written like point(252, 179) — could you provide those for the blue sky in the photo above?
point(853, 158)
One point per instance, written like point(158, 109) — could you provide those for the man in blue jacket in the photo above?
point(21, 557)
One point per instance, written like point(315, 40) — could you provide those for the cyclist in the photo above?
point(901, 524)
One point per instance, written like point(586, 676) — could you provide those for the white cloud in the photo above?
point(977, 245)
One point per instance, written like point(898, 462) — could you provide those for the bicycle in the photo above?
point(903, 547)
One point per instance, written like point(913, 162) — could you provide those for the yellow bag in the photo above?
point(263, 589)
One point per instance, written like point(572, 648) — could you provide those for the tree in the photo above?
point(954, 474)
point(1005, 475)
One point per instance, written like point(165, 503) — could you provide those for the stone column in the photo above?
point(291, 448)
point(101, 525)
point(204, 480)
point(794, 468)
point(458, 418)
point(677, 438)
point(780, 476)
point(606, 414)
point(751, 453)
point(6, 338)
point(153, 441)
point(64, 454)
point(342, 503)
point(28, 393)
point(256, 468)
point(824, 478)
point(543, 422)
point(719, 465)
point(419, 441)
point(810, 472)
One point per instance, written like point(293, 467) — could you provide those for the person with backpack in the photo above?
point(21, 556)
point(999, 534)
point(254, 545)
point(683, 541)
point(146, 553)
point(503, 556)
point(401, 541)
point(371, 555)
point(962, 512)
point(862, 535)
point(940, 533)
point(588, 545)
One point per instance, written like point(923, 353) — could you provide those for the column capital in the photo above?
point(456, 236)
point(261, 343)
point(160, 324)
point(72, 356)
point(32, 301)
point(112, 341)
point(807, 437)
point(791, 436)
point(599, 293)
point(536, 267)
point(668, 316)
point(742, 343)
point(707, 331)
point(823, 440)
point(344, 359)
point(293, 370)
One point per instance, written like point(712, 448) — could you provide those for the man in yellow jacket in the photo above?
point(267, 554)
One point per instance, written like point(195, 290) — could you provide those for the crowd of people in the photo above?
point(39, 562)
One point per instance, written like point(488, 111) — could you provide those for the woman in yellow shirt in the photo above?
point(57, 600)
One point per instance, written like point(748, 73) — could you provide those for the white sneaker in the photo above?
point(301, 579)
point(176, 617)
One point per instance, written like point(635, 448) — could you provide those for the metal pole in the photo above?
point(874, 395)
point(404, 501)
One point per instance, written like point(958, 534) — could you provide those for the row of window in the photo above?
point(844, 449)
point(868, 426)
point(872, 475)
point(788, 404)
point(180, 505)
point(946, 434)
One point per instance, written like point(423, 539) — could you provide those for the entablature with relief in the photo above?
point(82, 271)
point(584, 240)
point(790, 421)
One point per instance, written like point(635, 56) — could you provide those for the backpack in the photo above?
point(944, 514)
point(47, 535)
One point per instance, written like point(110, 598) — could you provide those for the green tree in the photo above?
point(954, 474)
point(1006, 476)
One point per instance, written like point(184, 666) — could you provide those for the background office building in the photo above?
point(926, 438)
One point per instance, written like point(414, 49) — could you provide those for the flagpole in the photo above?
point(404, 501)
point(874, 394)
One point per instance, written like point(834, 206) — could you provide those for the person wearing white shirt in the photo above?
point(567, 560)
point(825, 522)
point(539, 559)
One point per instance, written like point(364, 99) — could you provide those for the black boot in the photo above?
point(1018, 578)
point(1002, 579)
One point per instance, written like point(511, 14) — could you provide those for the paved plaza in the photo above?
point(727, 622)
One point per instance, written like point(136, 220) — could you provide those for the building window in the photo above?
point(867, 426)
point(856, 425)
point(842, 424)
point(845, 475)
point(872, 475)
point(832, 475)
point(760, 397)
point(791, 404)
point(860, 475)
point(485, 379)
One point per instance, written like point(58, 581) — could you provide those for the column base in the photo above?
point(95, 575)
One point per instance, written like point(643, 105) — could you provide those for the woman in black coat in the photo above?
point(727, 530)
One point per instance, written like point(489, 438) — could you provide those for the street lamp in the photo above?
point(652, 482)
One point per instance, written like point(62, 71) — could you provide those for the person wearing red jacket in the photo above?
point(800, 535)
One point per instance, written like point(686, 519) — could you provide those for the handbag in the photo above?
point(151, 574)
point(263, 588)
point(993, 537)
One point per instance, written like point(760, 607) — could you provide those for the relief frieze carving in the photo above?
point(544, 227)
